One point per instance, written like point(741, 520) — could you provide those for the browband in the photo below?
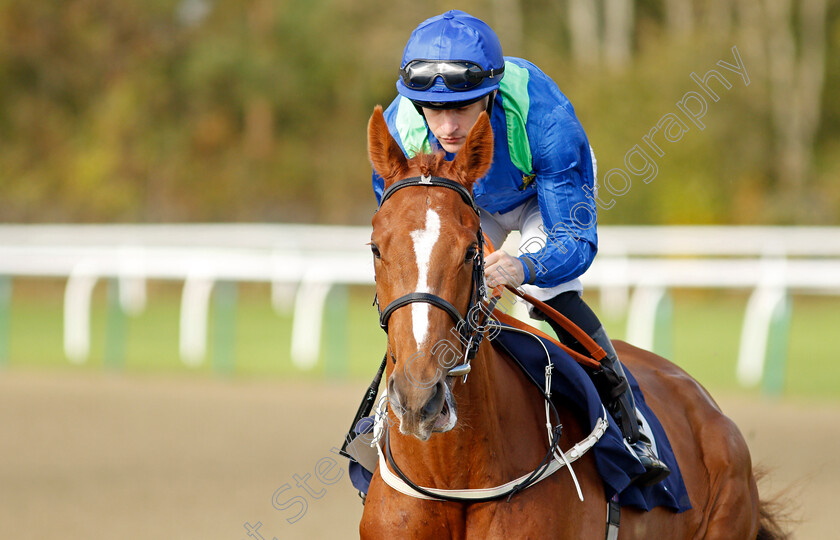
point(430, 181)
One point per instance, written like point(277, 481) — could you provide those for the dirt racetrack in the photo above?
point(94, 456)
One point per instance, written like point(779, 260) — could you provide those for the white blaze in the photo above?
point(424, 243)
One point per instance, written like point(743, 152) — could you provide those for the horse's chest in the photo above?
point(534, 513)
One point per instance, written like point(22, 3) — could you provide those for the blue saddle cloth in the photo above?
point(615, 462)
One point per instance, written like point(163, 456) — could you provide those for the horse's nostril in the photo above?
point(433, 406)
point(394, 396)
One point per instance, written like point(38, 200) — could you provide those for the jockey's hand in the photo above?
point(502, 269)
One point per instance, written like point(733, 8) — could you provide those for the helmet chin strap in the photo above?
point(490, 104)
point(420, 111)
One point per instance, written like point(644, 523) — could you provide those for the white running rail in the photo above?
point(302, 262)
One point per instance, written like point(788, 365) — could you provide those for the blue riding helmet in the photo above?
point(453, 57)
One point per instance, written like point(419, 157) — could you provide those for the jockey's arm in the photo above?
point(563, 166)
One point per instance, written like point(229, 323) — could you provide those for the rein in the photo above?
point(554, 460)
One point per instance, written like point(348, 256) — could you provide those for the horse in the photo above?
point(461, 434)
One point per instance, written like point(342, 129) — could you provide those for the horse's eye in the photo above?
point(470, 256)
point(375, 250)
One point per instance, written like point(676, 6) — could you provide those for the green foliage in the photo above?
point(201, 110)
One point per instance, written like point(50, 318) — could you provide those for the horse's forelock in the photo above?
point(430, 164)
point(436, 165)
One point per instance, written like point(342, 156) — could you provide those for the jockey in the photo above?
point(541, 183)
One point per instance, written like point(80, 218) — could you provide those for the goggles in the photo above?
point(457, 75)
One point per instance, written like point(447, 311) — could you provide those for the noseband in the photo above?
point(470, 329)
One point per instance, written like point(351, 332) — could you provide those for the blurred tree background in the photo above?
point(223, 110)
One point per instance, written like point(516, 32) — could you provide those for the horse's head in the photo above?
point(425, 240)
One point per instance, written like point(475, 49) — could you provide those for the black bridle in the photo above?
point(471, 328)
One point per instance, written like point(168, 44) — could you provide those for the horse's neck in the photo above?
point(500, 431)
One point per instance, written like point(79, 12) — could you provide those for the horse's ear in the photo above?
point(387, 158)
point(473, 160)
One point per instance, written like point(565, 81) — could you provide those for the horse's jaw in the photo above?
point(444, 421)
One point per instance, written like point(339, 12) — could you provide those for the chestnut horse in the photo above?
point(490, 429)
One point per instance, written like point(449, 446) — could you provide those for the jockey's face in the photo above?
point(451, 126)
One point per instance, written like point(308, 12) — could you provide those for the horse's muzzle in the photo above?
point(422, 411)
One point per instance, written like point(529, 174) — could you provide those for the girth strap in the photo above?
point(613, 518)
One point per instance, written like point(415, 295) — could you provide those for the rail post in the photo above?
point(335, 350)
point(5, 319)
point(224, 332)
point(115, 328)
point(773, 383)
